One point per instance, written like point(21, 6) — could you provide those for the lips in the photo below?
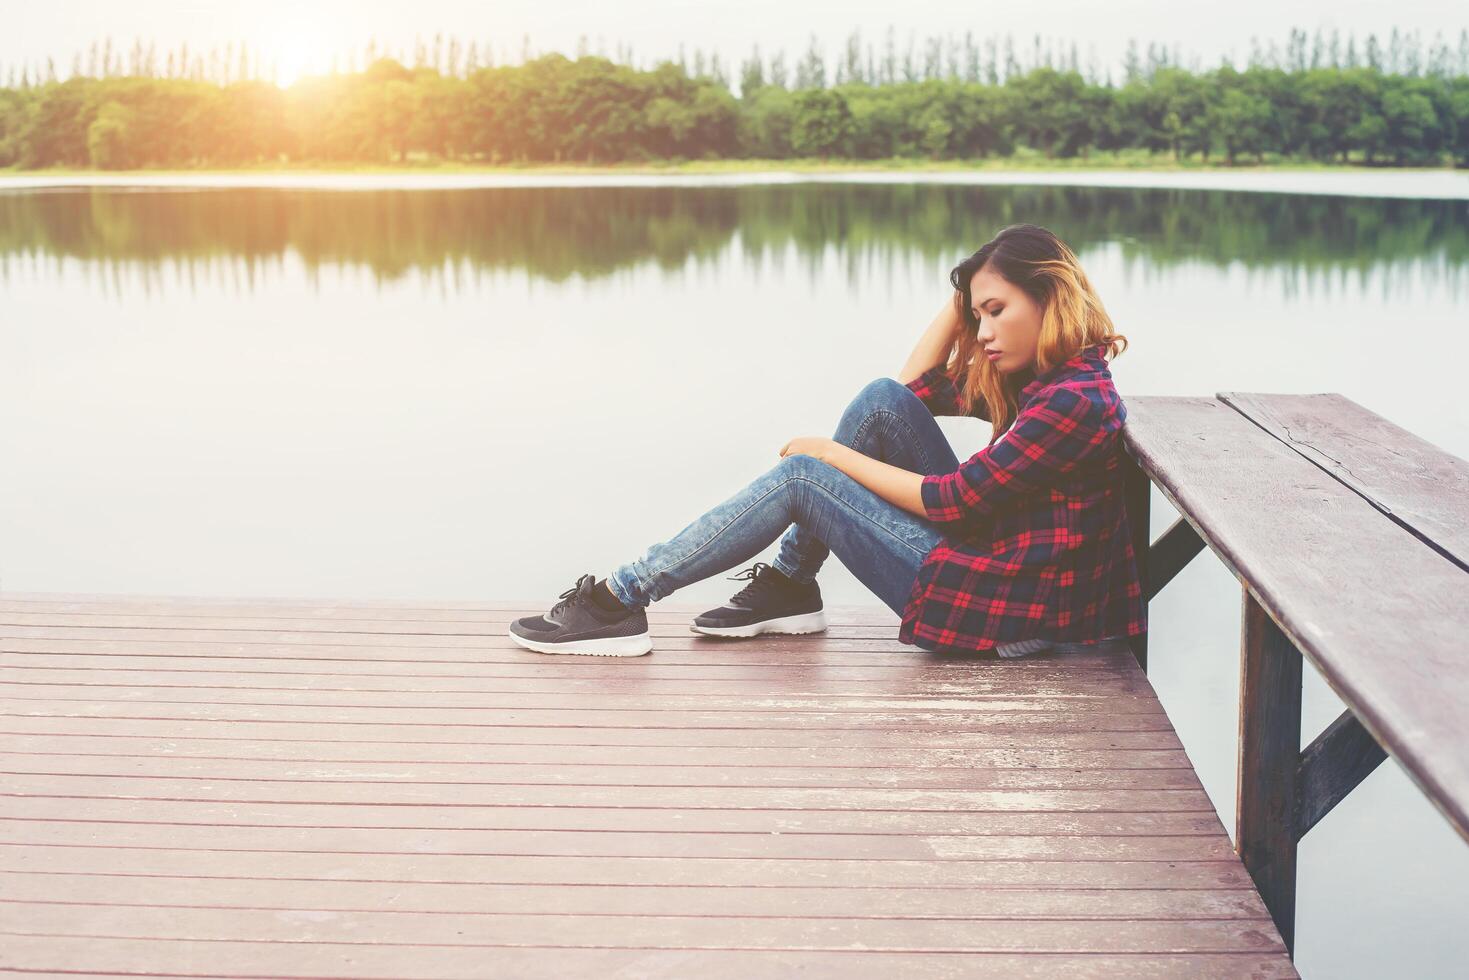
point(992, 354)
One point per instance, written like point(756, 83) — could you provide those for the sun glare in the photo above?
point(295, 55)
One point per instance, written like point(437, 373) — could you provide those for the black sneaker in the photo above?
point(578, 624)
point(771, 603)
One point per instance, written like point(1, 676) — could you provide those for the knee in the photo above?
point(879, 393)
point(799, 465)
point(887, 390)
point(796, 477)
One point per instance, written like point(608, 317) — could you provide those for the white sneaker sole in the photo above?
point(612, 646)
point(794, 625)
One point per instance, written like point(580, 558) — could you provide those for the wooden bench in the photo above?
point(1350, 537)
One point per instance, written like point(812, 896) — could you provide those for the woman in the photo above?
point(1023, 548)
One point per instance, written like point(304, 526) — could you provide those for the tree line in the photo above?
point(1326, 100)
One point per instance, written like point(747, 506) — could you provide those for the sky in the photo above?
point(302, 36)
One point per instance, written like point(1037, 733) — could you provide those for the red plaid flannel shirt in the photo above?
point(1036, 539)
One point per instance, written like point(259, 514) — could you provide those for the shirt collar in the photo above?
point(1087, 359)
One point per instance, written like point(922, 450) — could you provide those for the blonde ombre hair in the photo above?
point(1072, 319)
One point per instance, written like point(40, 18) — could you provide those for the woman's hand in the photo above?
point(818, 447)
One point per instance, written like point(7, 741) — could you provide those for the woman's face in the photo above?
point(1009, 321)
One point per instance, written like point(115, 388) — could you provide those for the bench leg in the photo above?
point(1269, 753)
point(1137, 499)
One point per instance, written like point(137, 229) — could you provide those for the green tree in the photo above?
point(1176, 111)
point(1056, 112)
point(112, 138)
point(767, 125)
point(822, 124)
point(54, 129)
point(1413, 130)
point(1237, 117)
point(1457, 105)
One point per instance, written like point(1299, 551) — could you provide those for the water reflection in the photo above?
point(453, 238)
point(480, 394)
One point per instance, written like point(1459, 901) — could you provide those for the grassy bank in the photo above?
point(1019, 162)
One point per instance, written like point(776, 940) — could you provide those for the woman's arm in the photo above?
point(899, 487)
point(927, 372)
point(936, 343)
point(1057, 432)
point(1060, 430)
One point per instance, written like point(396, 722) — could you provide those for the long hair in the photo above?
point(1072, 319)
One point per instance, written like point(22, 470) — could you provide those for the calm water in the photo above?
point(481, 394)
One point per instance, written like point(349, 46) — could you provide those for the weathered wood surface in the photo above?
point(369, 790)
point(1269, 753)
point(1334, 764)
point(1404, 476)
point(1383, 617)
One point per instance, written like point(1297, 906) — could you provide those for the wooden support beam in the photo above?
point(1170, 553)
point(1331, 767)
point(1269, 753)
point(1138, 500)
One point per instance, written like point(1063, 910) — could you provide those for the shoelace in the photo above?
point(568, 597)
point(758, 582)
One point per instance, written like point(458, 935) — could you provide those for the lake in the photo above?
point(483, 392)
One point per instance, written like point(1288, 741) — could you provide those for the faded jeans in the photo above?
point(817, 508)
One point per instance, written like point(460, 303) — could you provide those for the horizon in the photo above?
point(1401, 53)
point(284, 43)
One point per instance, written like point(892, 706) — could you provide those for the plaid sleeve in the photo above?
point(936, 390)
point(1060, 429)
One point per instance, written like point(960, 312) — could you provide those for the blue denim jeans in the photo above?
point(818, 509)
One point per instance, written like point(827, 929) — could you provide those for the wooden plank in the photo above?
point(956, 739)
point(353, 607)
point(1409, 479)
point(598, 817)
point(625, 843)
point(1077, 701)
point(545, 675)
point(164, 626)
point(530, 794)
point(332, 618)
point(411, 717)
point(491, 774)
point(974, 673)
point(675, 649)
point(1383, 623)
point(828, 758)
point(214, 891)
point(666, 871)
point(643, 931)
point(679, 636)
point(388, 804)
point(370, 961)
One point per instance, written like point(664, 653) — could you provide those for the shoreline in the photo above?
point(1434, 184)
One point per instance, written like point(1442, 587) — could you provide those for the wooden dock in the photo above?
point(291, 789)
